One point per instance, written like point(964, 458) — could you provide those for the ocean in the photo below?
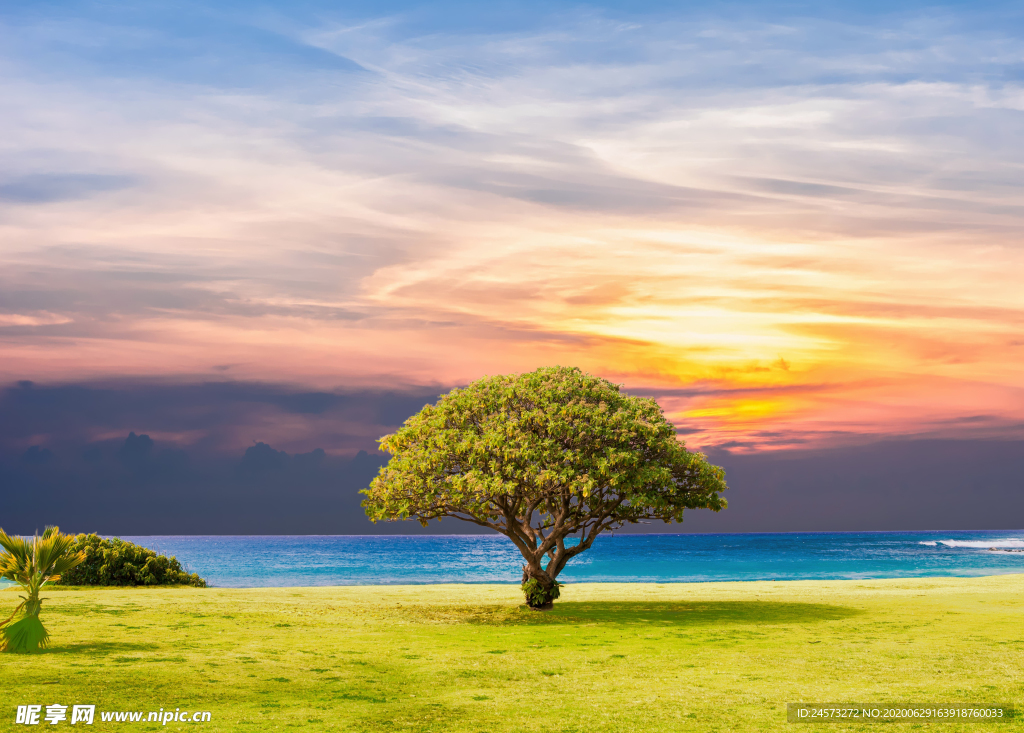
point(258, 561)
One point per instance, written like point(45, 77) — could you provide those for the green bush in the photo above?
point(537, 596)
point(116, 562)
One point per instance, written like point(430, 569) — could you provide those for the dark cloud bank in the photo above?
point(82, 456)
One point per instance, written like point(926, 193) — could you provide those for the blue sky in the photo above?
point(274, 229)
point(802, 217)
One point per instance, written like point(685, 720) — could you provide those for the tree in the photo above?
point(32, 564)
point(550, 459)
point(118, 562)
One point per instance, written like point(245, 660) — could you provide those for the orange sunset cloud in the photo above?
point(781, 261)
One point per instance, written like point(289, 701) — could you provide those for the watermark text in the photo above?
point(87, 714)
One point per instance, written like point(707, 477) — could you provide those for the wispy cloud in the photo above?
point(680, 201)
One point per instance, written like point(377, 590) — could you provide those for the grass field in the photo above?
point(609, 657)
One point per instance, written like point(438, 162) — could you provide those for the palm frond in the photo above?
point(50, 549)
point(18, 548)
point(11, 617)
point(64, 564)
point(25, 635)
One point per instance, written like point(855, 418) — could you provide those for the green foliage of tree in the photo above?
point(32, 564)
point(550, 459)
point(117, 562)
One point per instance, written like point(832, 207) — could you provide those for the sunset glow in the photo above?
point(821, 247)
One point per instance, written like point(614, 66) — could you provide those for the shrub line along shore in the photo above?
point(608, 657)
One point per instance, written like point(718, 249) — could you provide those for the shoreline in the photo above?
point(514, 586)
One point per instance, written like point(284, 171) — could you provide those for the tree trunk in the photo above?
point(539, 588)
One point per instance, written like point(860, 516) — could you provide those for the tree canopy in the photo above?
point(118, 562)
point(550, 458)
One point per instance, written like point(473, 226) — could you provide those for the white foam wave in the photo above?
point(1008, 543)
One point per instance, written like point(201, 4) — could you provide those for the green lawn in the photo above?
point(609, 657)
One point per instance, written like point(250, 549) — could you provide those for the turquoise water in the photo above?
point(231, 561)
point(241, 562)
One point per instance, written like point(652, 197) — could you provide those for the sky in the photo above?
point(226, 225)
